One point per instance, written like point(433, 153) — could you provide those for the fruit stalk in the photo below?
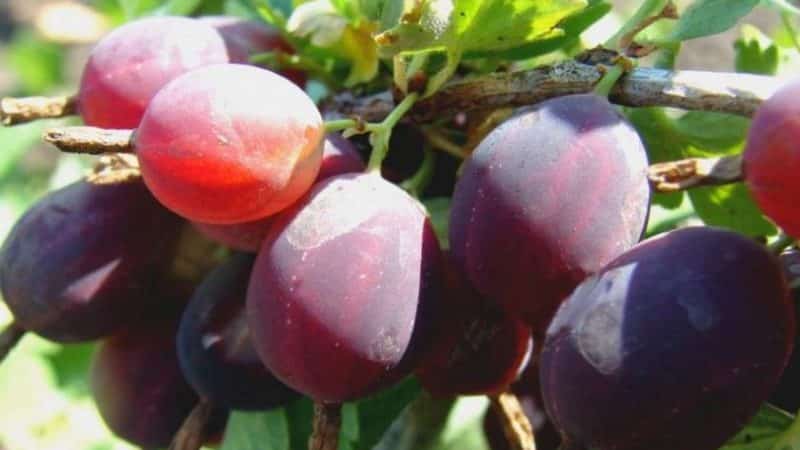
point(516, 426)
point(733, 93)
point(14, 111)
point(90, 140)
point(327, 422)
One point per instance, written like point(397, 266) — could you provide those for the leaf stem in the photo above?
point(383, 131)
point(648, 9)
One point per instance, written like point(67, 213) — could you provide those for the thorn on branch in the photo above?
point(693, 172)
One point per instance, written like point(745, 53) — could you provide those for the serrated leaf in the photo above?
point(708, 17)
point(756, 53)
point(257, 431)
point(571, 27)
point(460, 26)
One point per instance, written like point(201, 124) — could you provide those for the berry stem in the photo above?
point(383, 131)
point(693, 172)
point(606, 84)
point(192, 433)
point(340, 124)
point(26, 109)
point(327, 423)
point(422, 177)
point(516, 427)
point(9, 338)
point(90, 140)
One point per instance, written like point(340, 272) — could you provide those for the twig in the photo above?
point(732, 93)
point(192, 433)
point(90, 140)
point(688, 173)
point(9, 338)
point(516, 427)
point(327, 422)
point(20, 110)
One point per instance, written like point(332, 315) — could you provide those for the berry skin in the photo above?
point(685, 335)
point(549, 197)
point(771, 159)
point(344, 292)
point(83, 261)
point(229, 143)
point(129, 65)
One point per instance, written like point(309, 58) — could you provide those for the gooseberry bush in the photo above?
point(449, 224)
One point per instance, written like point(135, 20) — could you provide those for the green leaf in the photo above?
point(37, 63)
point(180, 7)
point(756, 53)
point(711, 134)
point(376, 413)
point(461, 26)
point(708, 17)
point(300, 415)
point(439, 212)
point(763, 431)
point(70, 364)
point(257, 431)
point(731, 206)
point(16, 142)
point(572, 28)
point(663, 142)
point(137, 8)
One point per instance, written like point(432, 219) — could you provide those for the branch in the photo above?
point(732, 93)
point(693, 172)
point(26, 109)
point(90, 140)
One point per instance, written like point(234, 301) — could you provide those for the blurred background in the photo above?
point(44, 400)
